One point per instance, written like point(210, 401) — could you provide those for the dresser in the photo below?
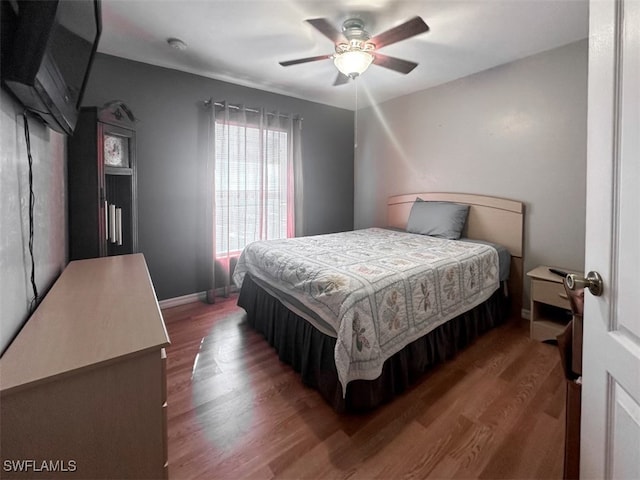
point(83, 385)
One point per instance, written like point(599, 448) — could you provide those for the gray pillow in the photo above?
point(438, 219)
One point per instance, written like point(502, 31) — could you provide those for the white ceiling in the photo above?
point(242, 41)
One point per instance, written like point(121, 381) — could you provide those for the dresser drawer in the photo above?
point(550, 293)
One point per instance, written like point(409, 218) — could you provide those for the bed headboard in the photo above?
point(490, 218)
point(493, 219)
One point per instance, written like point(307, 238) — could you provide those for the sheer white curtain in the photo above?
point(256, 180)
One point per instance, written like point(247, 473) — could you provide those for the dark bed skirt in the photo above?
point(311, 353)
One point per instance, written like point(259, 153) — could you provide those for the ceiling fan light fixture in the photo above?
point(355, 49)
point(353, 63)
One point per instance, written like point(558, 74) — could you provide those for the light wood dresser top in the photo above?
point(108, 303)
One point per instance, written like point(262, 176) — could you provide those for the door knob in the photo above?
point(593, 282)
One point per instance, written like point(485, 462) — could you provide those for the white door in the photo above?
point(610, 428)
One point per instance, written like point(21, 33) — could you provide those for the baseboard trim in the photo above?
point(526, 314)
point(183, 300)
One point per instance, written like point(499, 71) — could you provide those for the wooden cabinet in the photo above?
point(83, 385)
point(550, 309)
point(102, 184)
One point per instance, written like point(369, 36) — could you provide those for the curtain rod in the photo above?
point(210, 102)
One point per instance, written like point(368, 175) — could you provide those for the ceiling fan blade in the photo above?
point(408, 29)
point(305, 60)
point(327, 29)
point(393, 63)
point(341, 79)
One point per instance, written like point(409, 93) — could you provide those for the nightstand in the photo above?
point(550, 309)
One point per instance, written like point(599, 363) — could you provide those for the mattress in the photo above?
point(374, 290)
point(504, 257)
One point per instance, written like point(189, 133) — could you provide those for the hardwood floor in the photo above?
point(235, 411)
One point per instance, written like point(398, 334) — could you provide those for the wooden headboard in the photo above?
point(493, 219)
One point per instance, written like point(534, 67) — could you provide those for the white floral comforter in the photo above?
point(375, 290)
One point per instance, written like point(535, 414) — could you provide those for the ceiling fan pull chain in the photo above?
point(355, 132)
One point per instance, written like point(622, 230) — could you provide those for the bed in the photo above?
point(363, 315)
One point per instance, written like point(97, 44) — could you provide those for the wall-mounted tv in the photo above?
point(47, 56)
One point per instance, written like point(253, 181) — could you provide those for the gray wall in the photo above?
point(516, 131)
point(50, 219)
point(169, 136)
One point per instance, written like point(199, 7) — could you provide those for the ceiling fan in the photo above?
point(356, 49)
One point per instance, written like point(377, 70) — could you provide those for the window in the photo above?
point(251, 185)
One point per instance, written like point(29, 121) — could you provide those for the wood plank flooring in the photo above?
point(235, 411)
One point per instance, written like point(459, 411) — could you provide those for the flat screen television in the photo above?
point(48, 54)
